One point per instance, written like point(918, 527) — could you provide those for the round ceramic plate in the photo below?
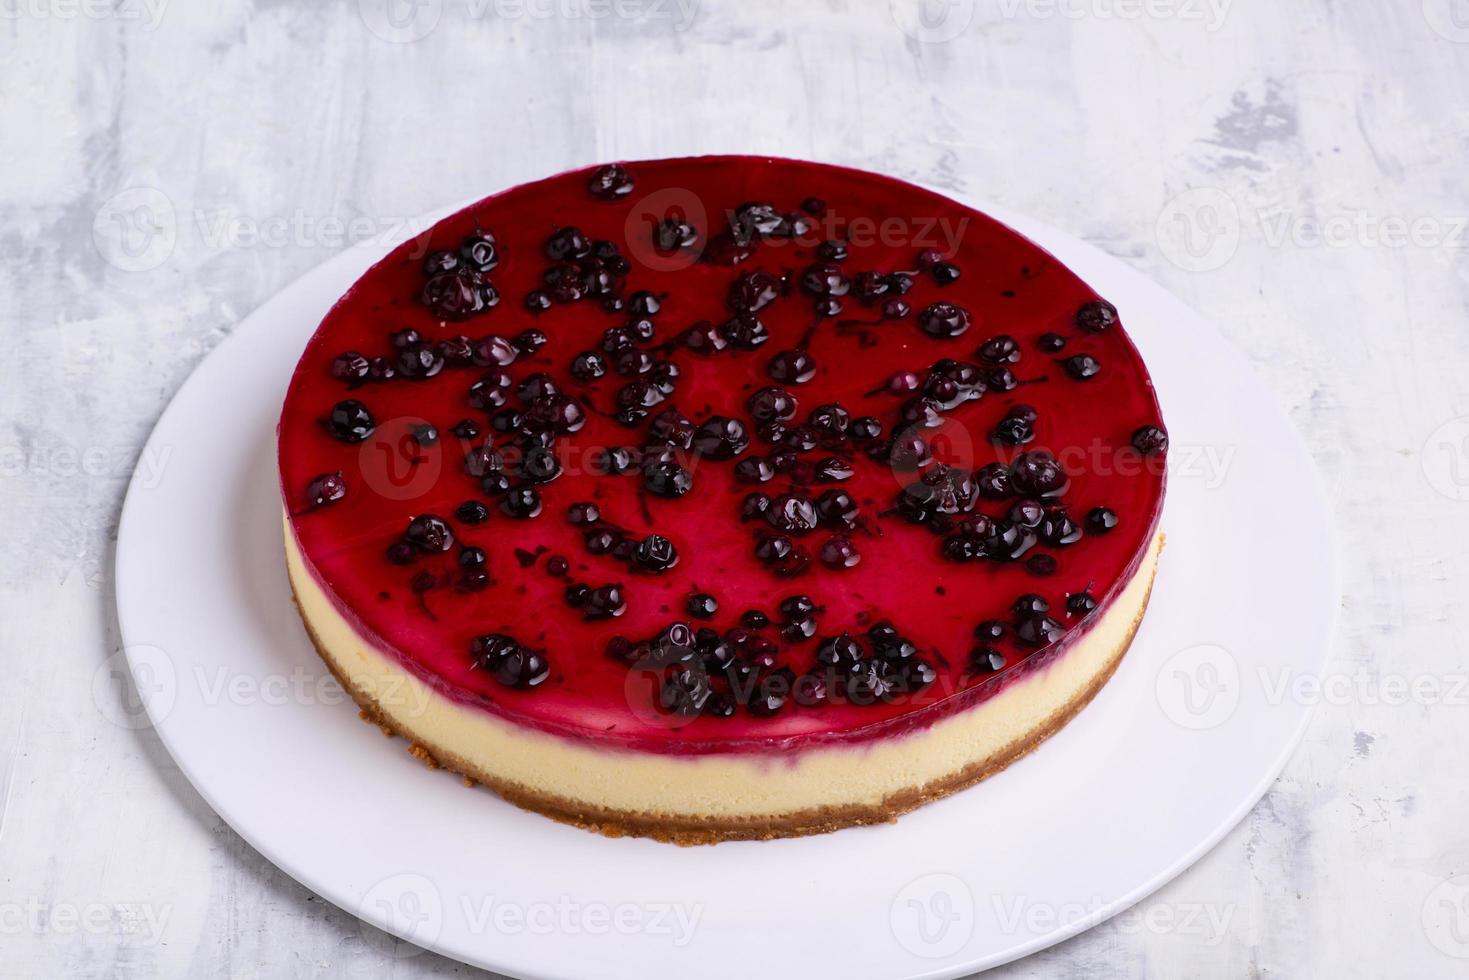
point(1175, 750)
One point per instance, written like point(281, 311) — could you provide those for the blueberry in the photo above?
point(656, 553)
point(1000, 350)
point(1080, 603)
point(522, 502)
point(1150, 440)
point(990, 631)
point(566, 244)
point(605, 602)
point(1050, 342)
point(701, 605)
point(865, 427)
point(986, 660)
point(350, 421)
point(944, 273)
point(1096, 316)
point(791, 367)
point(839, 552)
point(350, 367)
point(1038, 629)
point(944, 321)
point(721, 438)
point(610, 182)
point(327, 488)
point(665, 478)
point(772, 403)
point(472, 512)
point(1082, 367)
point(1100, 520)
point(424, 434)
point(429, 533)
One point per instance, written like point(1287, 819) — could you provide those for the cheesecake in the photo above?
point(721, 498)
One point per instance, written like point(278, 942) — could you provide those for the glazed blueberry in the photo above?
point(610, 182)
point(745, 332)
point(837, 508)
point(838, 551)
point(1029, 604)
point(350, 421)
point(472, 512)
point(424, 434)
point(1096, 316)
point(530, 341)
point(1150, 440)
point(1038, 473)
point(753, 292)
point(791, 367)
point(466, 429)
point(672, 235)
point(754, 619)
point(1038, 629)
point(350, 367)
point(721, 438)
point(794, 607)
point(944, 321)
point(1000, 350)
point(792, 514)
point(701, 605)
point(655, 553)
point(1082, 367)
point(986, 660)
point(327, 488)
point(522, 502)
point(664, 478)
point(643, 304)
point(1050, 343)
point(944, 273)
point(538, 301)
point(429, 533)
point(478, 252)
point(605, 602)
point(1080, 603)
point(865, 427)
point(567, 243)
point(832, 250)
point(990, 631)
point(772, 403)
point(1100, 520)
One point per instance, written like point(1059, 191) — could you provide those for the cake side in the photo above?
point(706, 799)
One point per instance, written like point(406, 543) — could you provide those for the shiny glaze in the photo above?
point(1009, 286)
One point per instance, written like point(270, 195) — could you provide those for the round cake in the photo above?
point(721, 498)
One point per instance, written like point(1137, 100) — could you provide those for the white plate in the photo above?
point(1174, 751)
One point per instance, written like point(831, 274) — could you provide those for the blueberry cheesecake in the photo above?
point(721, 498)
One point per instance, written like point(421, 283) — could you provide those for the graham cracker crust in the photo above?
point(685, 831)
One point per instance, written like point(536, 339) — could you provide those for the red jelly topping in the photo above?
point(721, 454)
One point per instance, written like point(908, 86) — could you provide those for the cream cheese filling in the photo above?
point(728, 785)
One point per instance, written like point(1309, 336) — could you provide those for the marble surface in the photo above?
point(1294, 171)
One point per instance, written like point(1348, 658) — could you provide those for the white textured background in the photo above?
point(1320, 149)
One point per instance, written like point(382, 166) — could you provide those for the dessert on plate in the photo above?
point(721, 498)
